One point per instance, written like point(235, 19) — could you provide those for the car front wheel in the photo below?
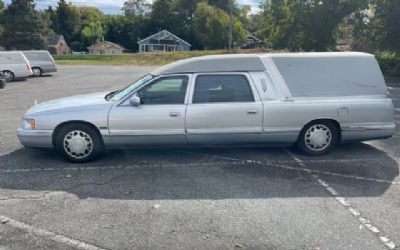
point(78, 143)
point(318, 138)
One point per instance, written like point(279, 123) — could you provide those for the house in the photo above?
point(163, 41)
point(106, 48)
point(252, 43)
point(56, 44)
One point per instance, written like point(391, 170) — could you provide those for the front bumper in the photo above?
point(35, 138)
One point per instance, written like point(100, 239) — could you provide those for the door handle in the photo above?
point(174, 114)
point(252, 111)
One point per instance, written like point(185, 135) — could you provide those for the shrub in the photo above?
point(389, 62)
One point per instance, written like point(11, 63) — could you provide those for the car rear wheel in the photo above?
point(8, 75)
point(318, 138)
point(37, 71)
point(78, 143)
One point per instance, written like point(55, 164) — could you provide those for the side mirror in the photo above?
point(134, 100)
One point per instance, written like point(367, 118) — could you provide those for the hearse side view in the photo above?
point(314, 100)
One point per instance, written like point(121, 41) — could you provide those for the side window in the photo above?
point(222, 88)
point(168, 90)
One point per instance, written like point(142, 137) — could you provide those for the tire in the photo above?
point(318, 138)
point(8, 76)
point(37, 71)
point(78, 143)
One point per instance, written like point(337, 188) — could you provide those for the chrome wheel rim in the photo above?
point(78, 144)
point(36, 72)
point(318, 137)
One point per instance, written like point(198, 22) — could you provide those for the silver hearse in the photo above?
point(315, 100)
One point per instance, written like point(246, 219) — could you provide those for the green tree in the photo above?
point(305, 24)
point(22, 26)
point(67, 20)
point(211, 27)
point(386, 25)
point(46, 18)
point(91, 31)
point(136, 7)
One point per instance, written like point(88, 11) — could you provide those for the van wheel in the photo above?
point(78, 143)
point(37, 71)
point(8, 75)
point(318, 138)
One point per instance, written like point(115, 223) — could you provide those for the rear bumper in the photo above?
point(35, 138)
point(49, 70)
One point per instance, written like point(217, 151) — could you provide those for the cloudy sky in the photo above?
point(111, 6)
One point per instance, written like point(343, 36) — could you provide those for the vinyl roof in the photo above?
point(239, 62)
point(217, 63)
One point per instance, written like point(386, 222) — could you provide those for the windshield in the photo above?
point(119, 94)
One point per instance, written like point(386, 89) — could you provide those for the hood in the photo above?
point(68, 104)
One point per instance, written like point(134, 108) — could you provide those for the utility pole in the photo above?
point(230, 24)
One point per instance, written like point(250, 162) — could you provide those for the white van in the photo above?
point(41, 62)
point(14, 65)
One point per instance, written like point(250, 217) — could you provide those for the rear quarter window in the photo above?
point(222, 88)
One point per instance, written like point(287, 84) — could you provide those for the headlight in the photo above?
point(28, 124)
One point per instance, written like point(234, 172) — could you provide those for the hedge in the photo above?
point(389, 62)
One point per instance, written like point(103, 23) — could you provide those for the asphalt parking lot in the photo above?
point(190, 198)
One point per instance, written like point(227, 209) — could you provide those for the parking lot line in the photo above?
point(273, 164)
point(59, 238)
point(233, 161)
point(386, 241)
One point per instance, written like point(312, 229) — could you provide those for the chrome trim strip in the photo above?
point(368, 128)
point(34, 132)
point(147, 132)
point(277, 78)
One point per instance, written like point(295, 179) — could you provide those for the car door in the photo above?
point(159, 119)
point(224, 108)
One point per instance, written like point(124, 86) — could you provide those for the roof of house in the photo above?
point(254, 38)
point(106, 45)
point(164, 35)
point(54, 39)
point(239, 62)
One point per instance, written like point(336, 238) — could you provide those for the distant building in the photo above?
point(106, 48)
point(163, 41)
point(56, 44)
point(253, 43)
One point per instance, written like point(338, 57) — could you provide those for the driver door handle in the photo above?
point(174, 114)
point(252, 111)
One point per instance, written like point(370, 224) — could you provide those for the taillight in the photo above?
point(28, 67)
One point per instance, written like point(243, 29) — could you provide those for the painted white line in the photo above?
point(59, 238)
point(304, 169)
point(336, 174)
point(127, 167)
point(353, 211)
point(234, 161)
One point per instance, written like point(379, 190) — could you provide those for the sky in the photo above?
point(112, 6)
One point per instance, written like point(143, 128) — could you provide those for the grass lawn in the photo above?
point(138, 58)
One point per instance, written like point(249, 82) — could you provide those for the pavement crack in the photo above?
point(28, 197)
point(96, 183)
